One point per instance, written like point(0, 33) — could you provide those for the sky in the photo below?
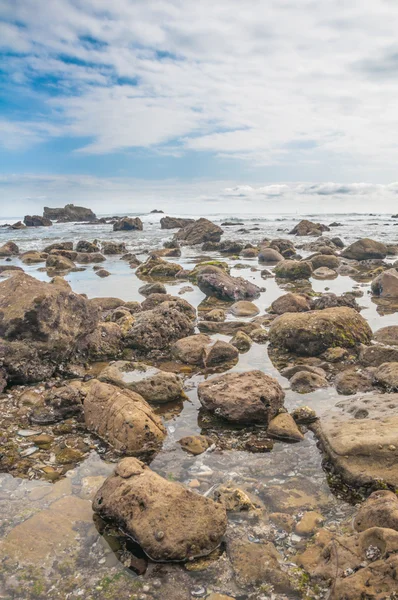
point(199, 106)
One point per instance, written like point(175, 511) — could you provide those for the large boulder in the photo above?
point(311, 333)
point(69, 213)
point(36, 221)
point(198, 232)
point(387, 376)
point(160, 327)
point(128, 224)
point(306, 227)
point(360, 439)
point(170, 522)
point(191, 350)
point(149, 382)
point(44, 313)
point(250, 397)
point(385, 285)
point(387, 335)
point(85, 246)
point(110, 248)
point(293, 269)
point(365, 249)
point(56, 262)
point(158, 268)
point(379, 510)
point(123, 419)
point(9, 249)
point(213, 281)
point(174, 222)
point(324, 260)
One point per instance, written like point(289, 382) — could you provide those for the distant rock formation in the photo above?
point(69, 213)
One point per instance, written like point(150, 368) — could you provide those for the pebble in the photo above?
point(27, 432)
point(198, 592)
point(29, 451)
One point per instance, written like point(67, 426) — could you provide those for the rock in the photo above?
point(174, 223)
point(219, 284)
point(190, 350)
point(304, 415)
point(293, 269)
point(155, 300)
point(89, 257)
point(385, 285)
point(387, 335)
point(289, 372)
point(387, 376)
point(220, 353)
point(85, 246)
point(309, 523)
point(322, 260)
point(379, 510)
point(33, 257)
point(308, 228)
point(128, 224)
point(365, 249)
point(335, 355)
point(283, 521)
point(295, 495)
point(59, 263)
point(330, 300)
point(71, 254)
point(360, 565)
point(376, 355)
point(123, 419)
point(9, 249)
point(106, 303)
point(250, 397)
point(69, 213)
point(152, 288)
point(353, 380)
point(269, 256)
point(230, 247)
point(18, 225)
point(305, 382)
point(290, 303)
point(244, 308)
point(104, 343)
point(155, 266)
point(241, 341)
point(227, 328)
point(36, 221)
point(217, 315)
point(259, 336)
point(155, 211)
point(102, 273)
point(48, 315)
point(312, 333)
point(361, 440)
point(198, 232)
point(111, 248)
point(324, 273)
point(283, 427)
point(285, 247)
point(195, 444)
point(151, 383)
point(58, 246)
point(169, 522)
point(249, 252)
point(255, 564)
point(160, 327)
point(234, 499)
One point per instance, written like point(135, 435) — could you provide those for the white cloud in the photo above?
point(271, 83)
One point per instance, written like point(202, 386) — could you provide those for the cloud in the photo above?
point(265, 83)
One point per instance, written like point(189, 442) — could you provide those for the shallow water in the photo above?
point(51, 545)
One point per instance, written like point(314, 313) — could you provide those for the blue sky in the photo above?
point(134, 101)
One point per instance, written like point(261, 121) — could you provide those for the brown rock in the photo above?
point(9, 249)
point(244, 308)
point(305, 382)
point(386, 284)
point(283, 427)
point(290, 303)
point(365, 249)
point(128, 224)
point(250, 397)
point(309, 523)
point(195, 444)
point(170, 522)
point(198, 232)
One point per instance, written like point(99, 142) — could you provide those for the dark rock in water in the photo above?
point(170, 522)
point(227, 327)
point(283, 246)
point(195, 444)
point(155, 211)
point(250, 397)
point(290, 303)
point(69, 213)
point(387, 335)
point(305, 382)
point(386, 284)
point(59, 403)
point(379, 510)
point(377, 354)
point(220, 353)
point(215, 282)
point(85, 246)
point(230, 247)
point(283, 427)
point(269, 256)
point(152, 288)
point(56, 262)
point(198, 232)
point(293, 269)
point(85, 258)
point(311, 333)
point(59, 246)
point(157, 329)
point(353, 380)
point(128, 224)
point(102, 273)
point(9, 249)
point(156, 267)
point(191, 350)
point(309, 228)
point(113, 248)
point(387, 376)
point(231, 224)
point(36, 221)
point(123, 419)
point(365, 249)
point(324, 260)
point(106, 342)
point(18, 225)
point(332, 301)
point(241, 341)
point(174, 223)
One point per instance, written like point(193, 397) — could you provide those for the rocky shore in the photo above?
point(225, 426)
